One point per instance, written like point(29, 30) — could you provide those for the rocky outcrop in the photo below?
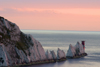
point(49, 55)
point(3, 56)
point(17, 47)
point(53, 55)
point(79, 47)
point(76, 51)
point(71, 51)
point(60, 54)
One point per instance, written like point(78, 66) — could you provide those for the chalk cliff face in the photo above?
point(75, 50)
point(17, 47)
point(60, 54)
point(3, 56)
point(80, 47)
point(71, 51)
point(53, 55)
point(49, 55)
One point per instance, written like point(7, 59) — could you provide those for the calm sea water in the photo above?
point(52, 40)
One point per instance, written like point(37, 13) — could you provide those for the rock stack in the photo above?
point(61, 55)
point(53, 55)
point(76, 51)
point(49, 56)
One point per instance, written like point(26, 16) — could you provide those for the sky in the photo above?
point(79, 15)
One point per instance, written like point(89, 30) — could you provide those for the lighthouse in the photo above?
point(83, 43)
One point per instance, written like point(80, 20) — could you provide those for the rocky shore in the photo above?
point(18, 48)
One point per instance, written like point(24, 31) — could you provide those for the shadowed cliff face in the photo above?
point(9, 30)
point(17, 47)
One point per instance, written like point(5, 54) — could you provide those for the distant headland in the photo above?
point(18, 48)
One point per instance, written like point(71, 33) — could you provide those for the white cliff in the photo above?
point(60, 54)
point(21, 55)
point(18, 47)
point(76, 51)
point(48, 55)
point(39, 51)
point(53, 55)
point(80, 47)
point(71, 51)
point(3, 56)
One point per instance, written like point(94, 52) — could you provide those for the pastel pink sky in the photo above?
point(79, 15)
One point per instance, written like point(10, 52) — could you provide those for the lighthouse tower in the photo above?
point(83, 43)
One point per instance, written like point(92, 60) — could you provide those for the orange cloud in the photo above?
point(30, 9)
point(80, 11)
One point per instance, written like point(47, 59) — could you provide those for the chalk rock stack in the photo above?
point(60, 54)
point(71, 51)
point(79, 47)
point(17, 47)
point(76, 51)
point(49, 55)
point(53, 55)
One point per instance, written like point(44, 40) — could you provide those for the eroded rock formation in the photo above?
point(17, 47)
point(76, 51)
point(60, 54)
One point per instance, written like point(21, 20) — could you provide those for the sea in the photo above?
point(54, 39)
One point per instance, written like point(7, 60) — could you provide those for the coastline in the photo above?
point(48, 61)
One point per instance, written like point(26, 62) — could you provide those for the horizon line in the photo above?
point(60, 30)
